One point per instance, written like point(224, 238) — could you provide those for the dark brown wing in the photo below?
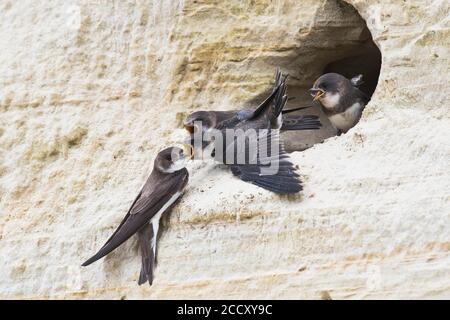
point(124, 219)
point(224, 115)
point(248, 115)
point(230, 119)
point(286, 111)
point(158, 190)
point(293, 122)
point(277, 93)
point(271, 170)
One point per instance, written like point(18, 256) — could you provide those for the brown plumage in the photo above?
point(340, 99)
point(267, 116)
point(159, 194)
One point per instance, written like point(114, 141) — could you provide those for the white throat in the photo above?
point(330, 100)
point(177, 165)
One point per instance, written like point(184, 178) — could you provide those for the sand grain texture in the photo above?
point(89, 93)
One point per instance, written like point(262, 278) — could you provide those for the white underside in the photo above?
point(348, 119)
point(155, 220)
point(279, 121)
point(330, 100)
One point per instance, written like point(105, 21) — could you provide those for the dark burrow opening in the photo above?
point(340, 42)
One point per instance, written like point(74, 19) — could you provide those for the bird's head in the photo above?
point(201, 120)
point(173, 159)
point(328, 89)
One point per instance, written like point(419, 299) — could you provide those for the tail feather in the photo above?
point(292, 122)
point(146, 239)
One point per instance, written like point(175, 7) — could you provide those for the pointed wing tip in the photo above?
point(94, 258)
point(278, 76)
point(294, 190)
point(295, 109)
point(308, 122)
point(277, 184)
point(88, 262)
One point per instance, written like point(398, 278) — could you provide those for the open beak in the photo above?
point(189, 128)
point(316, 93)
point(188, 150)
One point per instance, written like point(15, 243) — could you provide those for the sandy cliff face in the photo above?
point(89, 92)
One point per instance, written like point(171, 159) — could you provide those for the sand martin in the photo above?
point(267, 120)
point(340, 99)
point(163, 188)
point(211, 119)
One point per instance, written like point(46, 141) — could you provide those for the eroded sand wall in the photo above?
point(89, 92)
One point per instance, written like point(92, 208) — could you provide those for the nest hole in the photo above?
point(338, 41)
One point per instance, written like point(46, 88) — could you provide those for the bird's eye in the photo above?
point(176, 156)
point(199, 123)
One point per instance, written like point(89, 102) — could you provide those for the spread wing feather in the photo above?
point(283, 179)
point(292, 122)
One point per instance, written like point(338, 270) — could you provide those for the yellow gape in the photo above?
point(318, 95)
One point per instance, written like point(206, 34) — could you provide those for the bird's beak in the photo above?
point(189, 127)
point(316, 93)
point(188, 150)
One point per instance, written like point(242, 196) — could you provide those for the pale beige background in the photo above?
point(90, 91)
